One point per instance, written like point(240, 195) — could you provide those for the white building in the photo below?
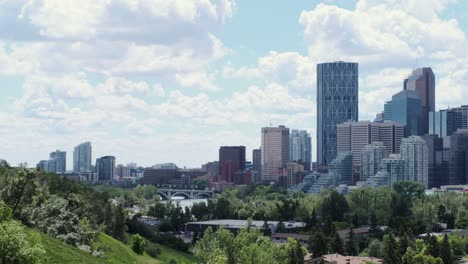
point(415, 154)
point(371, 158)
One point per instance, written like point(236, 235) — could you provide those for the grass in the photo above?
point(115, 252)
point(168, 254)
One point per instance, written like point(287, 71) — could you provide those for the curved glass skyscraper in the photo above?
point(337, 102)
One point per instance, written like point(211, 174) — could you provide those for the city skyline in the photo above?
point(227, 78)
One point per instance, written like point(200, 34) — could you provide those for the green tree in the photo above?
point(312, 221)
point(336, 245)
point(441, 213)
point(16, 246)
point(295, 252)
point(351, 245)
point(138, 244)
point(375, 248)
point(390, 250)
point(446, 251)
point(432, 246)
point(333, 204)
point(317, 244)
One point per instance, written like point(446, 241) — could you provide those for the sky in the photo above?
point(156, 81)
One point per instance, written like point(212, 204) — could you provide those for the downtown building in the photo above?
point(405, 108)
point(105, 168)
point(256, 171)
point(82, 158)
point(300, 147)
point(438, 160)
point(371, 159)
point(458, 174)
point(337, 102)
point(274, 152)
point(57, 162)
point(422, 81)
point(354, 136)
point(445, 122)
point(231, 161)
point(414, 152)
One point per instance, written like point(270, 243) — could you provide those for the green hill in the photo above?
point(115, 252)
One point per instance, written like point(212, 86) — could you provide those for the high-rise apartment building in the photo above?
point(459, 157)
point(354, 136)
point(82, 158)
point(393, 167)
point(275, 152)
point(422, 81)
point(300, 147)
point(337, 102)
point(105, 168)
point(231, 161)
point(414, 152)
point(371, 158)
point(59, 158)
point(405, 108)
point(445, 122)
point(211, 168)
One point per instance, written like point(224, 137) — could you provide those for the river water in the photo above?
point(186, 202)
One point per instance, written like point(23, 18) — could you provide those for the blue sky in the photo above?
point(153, 81)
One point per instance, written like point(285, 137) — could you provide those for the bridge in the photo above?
point(167, 194)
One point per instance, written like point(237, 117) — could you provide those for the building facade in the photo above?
point(438, 161)
point(211, 168)
point(340, 170)
point(393, 167)
point(445, 122)
point(231, 161)
point(337, 102)
point(354, 136)
point(464, 111)
point(105, 168)
point(300, 147)
point(405, 108)
point(371, 159)
point(257, 160)
point(82, 158)
point(274, 152)
point(59, 158)
point(414, 152)
point(459, 157)
point(422, 81)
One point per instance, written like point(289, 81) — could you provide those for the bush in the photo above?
point(153, 250)
point(138, 244)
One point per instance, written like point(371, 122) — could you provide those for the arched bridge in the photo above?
point(167, 194)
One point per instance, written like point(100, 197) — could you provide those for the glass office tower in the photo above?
point(405, 108)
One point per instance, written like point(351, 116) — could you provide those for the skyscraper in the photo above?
point(422, 81)
point(464, 111)
point(300, 147)
point(275, 152)
point(371, 158)
point(438, 161)
point(60, 159)
point(105, 168)
point(82, 158)
point(445, 122)
point(393, 167)
point(257, 160)
point(231, 161)
point(337, 102)
point(459, 157)
point(405, 108)
point(415, 154)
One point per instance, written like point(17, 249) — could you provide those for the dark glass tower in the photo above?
point(405, 108)
point(231, 161)
point(422, 81)
point(337, 102)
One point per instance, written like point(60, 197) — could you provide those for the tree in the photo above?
point(118, 226)
point(333, 204)
point(317, 244)
point(374, 227)
point(441, 213)
point(138, 244)
point(295, 252)
point(16, 246)
point(409, 188)
point(336, 245)
point(375, 248)
point(312, 221)
point(157, 210)
point(390, 250)
point(446, 251)
point(432, 246)
point(351, 247)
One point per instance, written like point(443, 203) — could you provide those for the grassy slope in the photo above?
point(116, 252)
